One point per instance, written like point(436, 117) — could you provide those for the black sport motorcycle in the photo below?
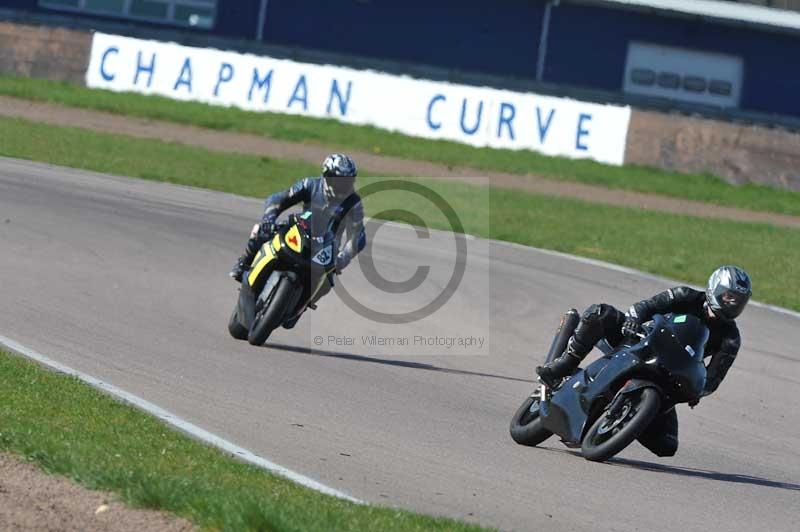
point(288, 271)
point(602, 409)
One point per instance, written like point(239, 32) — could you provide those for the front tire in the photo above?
point(268, 319)
point(526, 426)
point(610, 435)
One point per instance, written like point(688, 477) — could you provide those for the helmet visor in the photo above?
point(732, 303)
point(341, 185)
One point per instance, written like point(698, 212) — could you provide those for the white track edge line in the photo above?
point(171, 419)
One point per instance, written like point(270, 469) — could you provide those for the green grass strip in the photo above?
point(680, 247)
point(704, 187)
point(73, 430)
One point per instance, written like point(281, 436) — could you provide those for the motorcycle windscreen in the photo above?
point(690, 331)
point(679, 341)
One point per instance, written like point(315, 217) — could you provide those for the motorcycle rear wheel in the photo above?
point(526, 427)
point(270, 318)
point(610, 435)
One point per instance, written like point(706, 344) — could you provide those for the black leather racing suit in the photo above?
point(311, 192)
point(604, 321)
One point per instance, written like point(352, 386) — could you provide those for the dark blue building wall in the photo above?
point(496, 37)
point(18, 4)
point(235, 18)
point(588, 47)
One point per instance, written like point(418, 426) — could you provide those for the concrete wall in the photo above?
point(739, 153)
point(44, 52)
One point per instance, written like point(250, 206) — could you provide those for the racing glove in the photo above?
point(265, 229)
point(631, 327)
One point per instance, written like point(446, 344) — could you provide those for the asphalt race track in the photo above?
point(127, 281)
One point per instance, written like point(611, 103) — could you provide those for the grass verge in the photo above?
point(704, 187)
point(675, 246)
point(71, 429)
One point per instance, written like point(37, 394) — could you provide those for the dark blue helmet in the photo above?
point(339, 172)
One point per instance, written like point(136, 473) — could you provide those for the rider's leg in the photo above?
point(598, 322)
point(661, 437)
point(251, 249)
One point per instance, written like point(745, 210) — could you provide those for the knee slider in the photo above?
point(592, 313)
point(668, 448)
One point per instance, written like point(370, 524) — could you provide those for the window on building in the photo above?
point(643, 76)
point(721, 88)
point(195, 13)
point(669, 80)
point(694, 83)
point(697, 76)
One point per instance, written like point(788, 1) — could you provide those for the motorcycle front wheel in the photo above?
point(526, 426)
point(270, 317)
point(611, 433)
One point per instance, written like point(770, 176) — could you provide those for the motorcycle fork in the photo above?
point(616, 405)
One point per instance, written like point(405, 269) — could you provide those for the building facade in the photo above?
point(633, 52)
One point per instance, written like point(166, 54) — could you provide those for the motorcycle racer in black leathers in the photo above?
point(322, 196)
point(728, 291)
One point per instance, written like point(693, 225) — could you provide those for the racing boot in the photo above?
point(552, 373)
point(245, 260)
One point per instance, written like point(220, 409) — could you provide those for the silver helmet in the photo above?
point(339, 172)
point(728, 291)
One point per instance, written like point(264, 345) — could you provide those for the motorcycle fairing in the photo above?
point(567, 414)
point(265, 255)
point(678, 347)
point(293, 239)
point(295, 249)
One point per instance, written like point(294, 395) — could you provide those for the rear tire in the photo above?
point(526, 427)
point(236, 329)
point(608, 436)
point(270, 318)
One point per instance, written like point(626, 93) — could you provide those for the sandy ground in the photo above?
point(33, 500)
point(252, 144)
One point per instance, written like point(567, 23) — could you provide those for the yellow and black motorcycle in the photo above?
point(285, 276)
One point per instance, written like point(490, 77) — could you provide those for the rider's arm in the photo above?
point(278, 202)
point(355, 237)
point(678, 299)
point(722, 360)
